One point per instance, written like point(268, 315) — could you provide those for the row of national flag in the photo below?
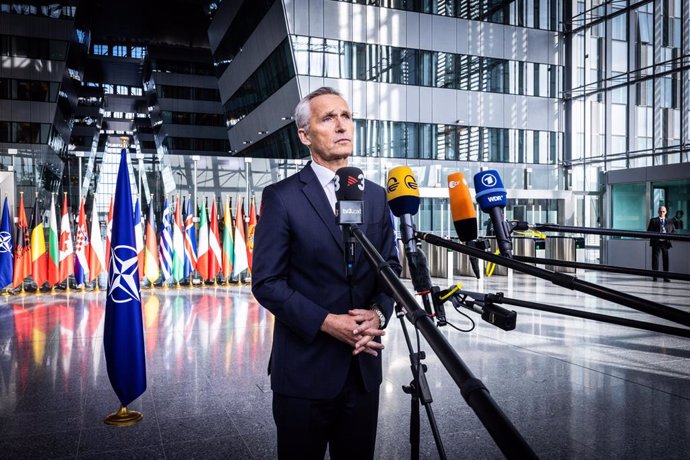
point(28, 255)
point(174, 254)
point(181, 251)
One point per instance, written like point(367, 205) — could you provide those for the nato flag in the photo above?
point(123, 335)
point(6, 248)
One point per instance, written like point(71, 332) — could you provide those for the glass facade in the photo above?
point(271, 75)
point(188, 92)
point(628, 95)
point(247, 18)
point(539, 14)
point(322, 57)
point(24, 132)
point(33, 48)
point(630, 103)
point(389, 139)
point(28, 90)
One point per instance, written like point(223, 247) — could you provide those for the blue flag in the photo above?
point(165, 247)
point(123, 334)
point(6, 248)
point(190, 257)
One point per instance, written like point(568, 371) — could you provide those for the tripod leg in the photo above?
point(414, 423)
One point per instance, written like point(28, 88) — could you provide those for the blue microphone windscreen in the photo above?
point(489, 190)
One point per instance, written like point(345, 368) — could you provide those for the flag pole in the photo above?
point(67, 280)
point(22, 291)
point(123, 416)
point(6, 290)
point(38, 288)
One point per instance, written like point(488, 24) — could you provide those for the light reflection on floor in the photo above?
point(574, 388)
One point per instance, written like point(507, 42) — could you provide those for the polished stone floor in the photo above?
point(574, 388)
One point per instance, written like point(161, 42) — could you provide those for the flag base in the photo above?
point(124, 417)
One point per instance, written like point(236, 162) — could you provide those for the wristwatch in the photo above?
point(382, 318)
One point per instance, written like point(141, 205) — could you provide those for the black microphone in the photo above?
point(491, 197)
point(349, 209)
point(402, 193)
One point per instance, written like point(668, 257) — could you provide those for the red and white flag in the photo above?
point(96, 256)
point(66, 266)
point(108, 235)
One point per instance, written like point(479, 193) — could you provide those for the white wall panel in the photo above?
point(373, 24)
point(359, 23)
point(392, 30)
point(373, 101)
point(444, 106)
point(337, 20)
point(538, 109)
point(412, 108)
point(492, 39)
point(316, 18)
point(392, 102)
point(426, 105)
point(461, 107)
point(426, 31)
point(538, 45)
point(461, 36)
point(474, 41)
point(300, 20)
point(474, 108)
point(358, 100)
point(492, 110)
point(444, 30)
point(412, 30)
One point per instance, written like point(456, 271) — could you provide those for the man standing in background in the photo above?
point(660, 245)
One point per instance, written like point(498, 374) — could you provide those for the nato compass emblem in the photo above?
point(5, 242)
point(123, 284)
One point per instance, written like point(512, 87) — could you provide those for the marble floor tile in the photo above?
point(573, 388)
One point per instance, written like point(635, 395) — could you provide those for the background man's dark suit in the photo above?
point(660, 246)
point(299, 275)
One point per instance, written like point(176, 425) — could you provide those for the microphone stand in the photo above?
point(487, 301)
point(603, 231)
point(567, 281)
point(419, 391)
point(477, 396)
point(602, 268)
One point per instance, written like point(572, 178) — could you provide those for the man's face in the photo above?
point(662, 212)
point(330, 131)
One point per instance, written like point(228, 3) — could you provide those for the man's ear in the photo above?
point(304, 137)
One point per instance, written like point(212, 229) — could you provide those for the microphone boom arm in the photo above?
point(567, 281)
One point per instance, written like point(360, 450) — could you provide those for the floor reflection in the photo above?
point(574, 388)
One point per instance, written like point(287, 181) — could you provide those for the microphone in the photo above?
point(491, 197)
point(464, 215)
point(402, 193)
point(462, 207)
point(349, 208)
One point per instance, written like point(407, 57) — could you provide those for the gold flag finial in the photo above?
point(124, 140)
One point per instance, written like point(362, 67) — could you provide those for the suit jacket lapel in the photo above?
point(314, 192)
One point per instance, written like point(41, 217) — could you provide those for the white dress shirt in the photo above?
point(326, 177)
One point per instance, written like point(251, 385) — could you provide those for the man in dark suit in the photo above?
point(660, 245)
point(325, 363)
